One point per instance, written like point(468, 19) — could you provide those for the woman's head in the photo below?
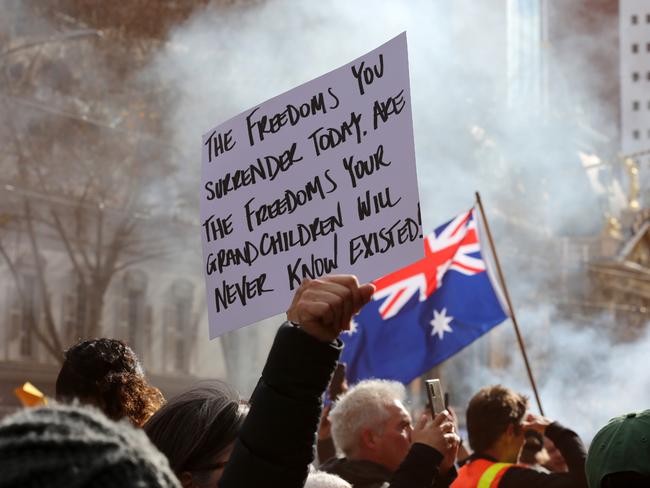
point(196, 430)
point(106, 373)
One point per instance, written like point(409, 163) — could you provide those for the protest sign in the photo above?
point(318, 180)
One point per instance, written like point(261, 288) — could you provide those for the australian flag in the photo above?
point(426, 312)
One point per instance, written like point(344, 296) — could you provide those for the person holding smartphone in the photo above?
point(373, 430)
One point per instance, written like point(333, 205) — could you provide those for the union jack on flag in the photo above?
point(425, 312)
point(448, 247)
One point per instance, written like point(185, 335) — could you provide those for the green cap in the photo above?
point(622, 445)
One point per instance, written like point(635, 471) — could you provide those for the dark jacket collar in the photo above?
point(357, 472)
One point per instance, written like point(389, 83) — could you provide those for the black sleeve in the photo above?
point(419, 468)
point(574, 453)
point(276, 443)
point(445, 481)
point(571, 447)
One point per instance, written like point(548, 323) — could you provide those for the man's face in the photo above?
point(394, 441)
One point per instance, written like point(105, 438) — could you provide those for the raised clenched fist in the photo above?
point(324, 307)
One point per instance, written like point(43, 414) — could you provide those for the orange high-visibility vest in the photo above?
point(480, 473)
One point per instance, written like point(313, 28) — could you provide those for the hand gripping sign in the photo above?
point(318, 180)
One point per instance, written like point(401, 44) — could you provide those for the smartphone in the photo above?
point(436, 396)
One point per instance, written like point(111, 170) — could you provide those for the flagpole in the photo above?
point(502, 281)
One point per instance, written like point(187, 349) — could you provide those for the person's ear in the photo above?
point(369, 438)
point(186, 479)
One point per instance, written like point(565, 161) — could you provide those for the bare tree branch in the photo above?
point(140, 259)
point(31, 319)
point(40, 275)
point(68, 247)
point(99, 240)
point(81, 205)
point(55, 348)
point(123, 231)
point(82, 157)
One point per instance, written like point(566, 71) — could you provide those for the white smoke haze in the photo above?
point(584, 379)
point(224, 60)
point(592, 380)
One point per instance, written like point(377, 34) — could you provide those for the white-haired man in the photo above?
point(373, 430)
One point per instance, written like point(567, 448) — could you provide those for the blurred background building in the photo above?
point(596, 276)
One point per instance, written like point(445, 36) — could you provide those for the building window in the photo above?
point(647, 76)
point(132, 313)
point(636, 134)
point(647, 47)
point(24, 314)
point(74, 311)
point(635, 48)
point(635, 105)
point(647, 18)
point(29, 307)
point(634, 19)
point(635, 76)
point(179, 324)
point(135, 310)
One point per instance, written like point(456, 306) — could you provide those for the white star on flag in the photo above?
point(440, 323)
point(354, 327)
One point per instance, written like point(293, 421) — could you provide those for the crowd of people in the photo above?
point(111, 428)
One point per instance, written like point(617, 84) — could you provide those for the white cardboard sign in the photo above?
point(319, 180)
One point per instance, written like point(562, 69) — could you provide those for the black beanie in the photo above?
point(72, 446)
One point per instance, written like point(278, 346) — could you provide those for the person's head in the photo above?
point(106, 373)
point(370, 422)
point(494, 418)
point(76, 446)
point(619, 455)
point(196, 430)
point(320, 479)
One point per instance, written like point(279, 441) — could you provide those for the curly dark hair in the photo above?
point(107, 374)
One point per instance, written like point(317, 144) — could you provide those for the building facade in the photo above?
point(157, 306)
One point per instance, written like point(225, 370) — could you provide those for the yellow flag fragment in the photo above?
point(30, 396)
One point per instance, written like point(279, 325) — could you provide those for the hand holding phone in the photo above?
point(437, 433)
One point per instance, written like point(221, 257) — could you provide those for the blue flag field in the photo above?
point(426, 312)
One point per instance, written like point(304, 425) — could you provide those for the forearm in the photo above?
point(279, 431)
point(570, 445)
point(574, 454)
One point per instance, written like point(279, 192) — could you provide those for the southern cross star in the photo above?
point(440, 323)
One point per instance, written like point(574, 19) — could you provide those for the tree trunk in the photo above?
point(95, 311)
